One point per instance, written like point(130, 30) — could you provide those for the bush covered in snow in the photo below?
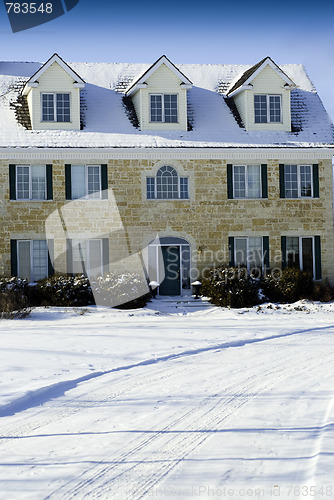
point(323, 291)
point(63, 290)
point(14, 301)
point(126, 290)
point(288, 285)
point(231, 287)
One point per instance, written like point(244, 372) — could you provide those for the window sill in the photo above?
point(51, 121)
point(268, 123)
point(300, 198)
point(30, 199)
point(167, 199)
point(164, 123)
point(84, 199)
point(260, 198)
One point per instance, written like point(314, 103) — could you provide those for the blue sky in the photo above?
point(187, 32)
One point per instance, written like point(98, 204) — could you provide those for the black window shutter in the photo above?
point(12, 182)
point(104, 181)
point(69, 256)
point(264, 181)
point(231, 251)
point(49, 183)
point(266, 260)
point(51, 256)
point(13, 257)
point(315, 180)
point(281, 181)
point(283, 250)
point(229, 181)
point(317, 252)
point(105, 255)
point(68, 182)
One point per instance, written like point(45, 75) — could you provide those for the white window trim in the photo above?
point(32, 278)
point(167, 199)
point(89, 196)
point(299, 181)
point(246, 197)
point(300, 248)
point(163, 108)
point(55, 106)
point(87, 256)
point(268, 109)
point(247, 250)
point(30, 185)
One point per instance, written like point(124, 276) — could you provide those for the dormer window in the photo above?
point(268, 108)
point(163, 108)
point(55, 107)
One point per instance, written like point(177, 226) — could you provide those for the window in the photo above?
point(302, 252)
point(167, 185)
point(298, 181)
point(249, 252)
point(247, 181)
point(267, 108)
point(86, 181)
point(88, 256)
point(30, 259)
point(30, 182)
point(163, 108)
point(55, 107)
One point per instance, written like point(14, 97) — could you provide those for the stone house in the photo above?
point(164, 169)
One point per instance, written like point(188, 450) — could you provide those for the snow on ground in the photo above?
point(168, 402)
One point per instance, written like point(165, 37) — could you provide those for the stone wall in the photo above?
point(131, 221)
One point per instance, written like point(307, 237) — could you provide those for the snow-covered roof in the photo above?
point(107, 122)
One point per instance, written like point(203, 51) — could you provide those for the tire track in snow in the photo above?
point(45, 394)
point(323, 428)
point(110, 482)
point(60, 409)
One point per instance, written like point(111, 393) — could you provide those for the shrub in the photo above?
point(125, 291)
point(64, 290)
point(323, 291)
point(14, 298)
point(231, 287)
point(288, 285)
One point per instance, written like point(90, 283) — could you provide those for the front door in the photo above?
point(171, 258)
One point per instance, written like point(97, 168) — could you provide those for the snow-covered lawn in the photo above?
point(168, 403)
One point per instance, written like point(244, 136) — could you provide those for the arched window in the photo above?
point(167, 185)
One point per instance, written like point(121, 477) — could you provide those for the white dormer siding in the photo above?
point(163, 81)
point(268, 83)
point(55, 80)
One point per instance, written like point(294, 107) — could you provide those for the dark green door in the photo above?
point(171, 283)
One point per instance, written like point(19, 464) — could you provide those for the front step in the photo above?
point(181, 301)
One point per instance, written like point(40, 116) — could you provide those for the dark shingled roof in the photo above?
point(250, 72)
